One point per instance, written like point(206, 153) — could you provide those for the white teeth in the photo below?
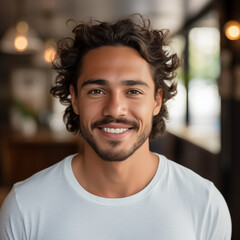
point(115, 130)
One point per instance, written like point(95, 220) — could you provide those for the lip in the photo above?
point(115, 125)
point(115, 136)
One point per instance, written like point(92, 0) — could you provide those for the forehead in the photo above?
point(115, 63)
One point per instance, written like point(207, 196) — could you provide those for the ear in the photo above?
point(158, 102)
point(74, 99)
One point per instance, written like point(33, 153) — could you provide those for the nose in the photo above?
point(115, 106)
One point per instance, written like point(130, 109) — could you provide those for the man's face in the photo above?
point(115, 101)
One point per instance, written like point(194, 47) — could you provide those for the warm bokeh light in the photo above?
point(49, 54)
point(232, 30)
point(20, 43)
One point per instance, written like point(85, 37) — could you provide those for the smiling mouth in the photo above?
point(115, 130)
point(110, 126)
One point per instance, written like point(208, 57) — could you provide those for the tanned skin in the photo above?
point(116, 102)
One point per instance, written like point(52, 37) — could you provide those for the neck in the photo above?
point(115, 179)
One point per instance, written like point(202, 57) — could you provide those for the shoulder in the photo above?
point(43, 177)
point(28, 198)
point(11, 224)
point(34, 189)
point(183, 176)
point(187, 183)
point(202, 198)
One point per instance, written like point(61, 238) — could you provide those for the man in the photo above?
point(115, 79)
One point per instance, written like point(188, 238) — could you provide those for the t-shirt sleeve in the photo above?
point(11, 221)
point(218, 225)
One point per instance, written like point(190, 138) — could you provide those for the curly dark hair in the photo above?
point(134, 32)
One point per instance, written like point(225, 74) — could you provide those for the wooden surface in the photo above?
point(24, 156)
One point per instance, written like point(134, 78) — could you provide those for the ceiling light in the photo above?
point(49, 54)
point(20, 39)
point(232, 30)
point(50, 51)
point(20, 43)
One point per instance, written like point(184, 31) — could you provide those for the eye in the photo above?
point(96, 92)
point(134, 92)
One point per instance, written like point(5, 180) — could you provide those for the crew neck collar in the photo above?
point(112, 201)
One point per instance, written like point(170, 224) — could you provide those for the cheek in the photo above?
point(89, 111)
point(143, 110)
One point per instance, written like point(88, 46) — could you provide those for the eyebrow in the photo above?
point(103, 82)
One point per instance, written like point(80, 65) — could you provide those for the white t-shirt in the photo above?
point(177, 204)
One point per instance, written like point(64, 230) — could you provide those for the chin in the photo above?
point(114, 156)
point(116, 153)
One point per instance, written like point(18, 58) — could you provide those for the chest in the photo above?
point(138, 222)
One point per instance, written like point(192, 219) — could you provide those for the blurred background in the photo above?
point(203, 131)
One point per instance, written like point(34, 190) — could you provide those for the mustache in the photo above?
point(108, 120)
